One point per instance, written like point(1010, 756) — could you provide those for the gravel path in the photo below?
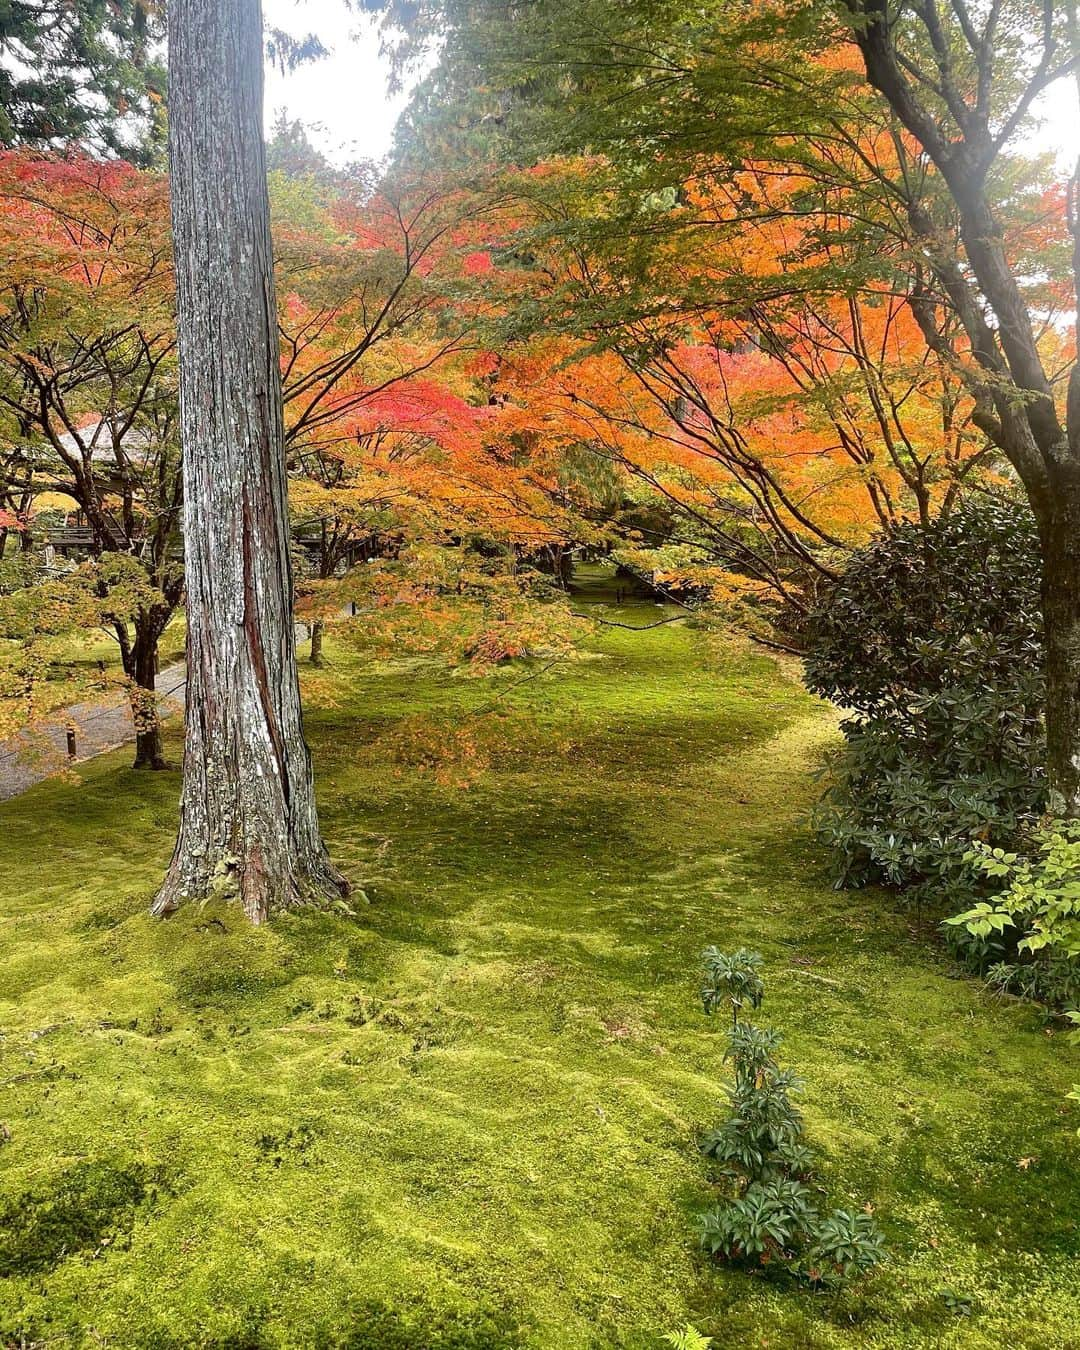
point(100, 725)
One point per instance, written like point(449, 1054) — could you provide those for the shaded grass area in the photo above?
point(467, 1118)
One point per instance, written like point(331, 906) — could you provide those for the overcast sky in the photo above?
point(343, 99)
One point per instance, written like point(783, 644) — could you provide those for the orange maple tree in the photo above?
point(768, 391)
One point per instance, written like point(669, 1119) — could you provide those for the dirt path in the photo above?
point(99, 724)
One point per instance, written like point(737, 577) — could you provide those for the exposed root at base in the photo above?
point(261, 895)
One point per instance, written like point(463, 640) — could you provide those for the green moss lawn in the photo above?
point(466, 1117)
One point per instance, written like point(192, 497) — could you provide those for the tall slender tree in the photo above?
point(248, 819)
point(961, 80)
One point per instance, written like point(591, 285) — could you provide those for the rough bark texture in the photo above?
point(1060, 530)
point(248, 820)
point(149, 752)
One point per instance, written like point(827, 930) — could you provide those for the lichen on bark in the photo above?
point(248, 810)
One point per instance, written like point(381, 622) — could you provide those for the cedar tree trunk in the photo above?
point(248, 823)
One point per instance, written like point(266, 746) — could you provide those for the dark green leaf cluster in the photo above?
point(771, 1215)
point(761, 1136)
point(845, 1245)
point(931, 641)
point(82, 70)
point(734, 979)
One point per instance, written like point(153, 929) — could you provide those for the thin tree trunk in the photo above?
point(1060, 529)
point(248, 821)
point(317, 627)
point(149, 752)
point(127, 654)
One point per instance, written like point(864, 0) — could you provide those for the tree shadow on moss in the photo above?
point(91, 1204)
point(374, 1325)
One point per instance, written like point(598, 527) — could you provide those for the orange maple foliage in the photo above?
point(769, 389)
point(411, 509)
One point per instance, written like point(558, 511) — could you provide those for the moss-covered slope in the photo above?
point(466, 1118)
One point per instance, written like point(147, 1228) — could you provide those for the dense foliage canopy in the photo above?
point(84, 71)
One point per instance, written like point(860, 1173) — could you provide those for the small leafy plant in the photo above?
point(688, 1339)
point(770, 1216)
point(1074, 1096)
point(734, 979)
point(958, 1304)
point(1027, 933)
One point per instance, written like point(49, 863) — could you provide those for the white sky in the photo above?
point(343, 99)
point(1060, 129)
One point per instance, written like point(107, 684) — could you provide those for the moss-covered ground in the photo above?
point(466, 1118)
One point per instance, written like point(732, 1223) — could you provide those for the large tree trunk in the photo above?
point(149, 752)
point(248, 821)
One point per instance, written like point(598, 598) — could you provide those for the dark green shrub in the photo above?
point(931, 644)
point(771, 1215)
